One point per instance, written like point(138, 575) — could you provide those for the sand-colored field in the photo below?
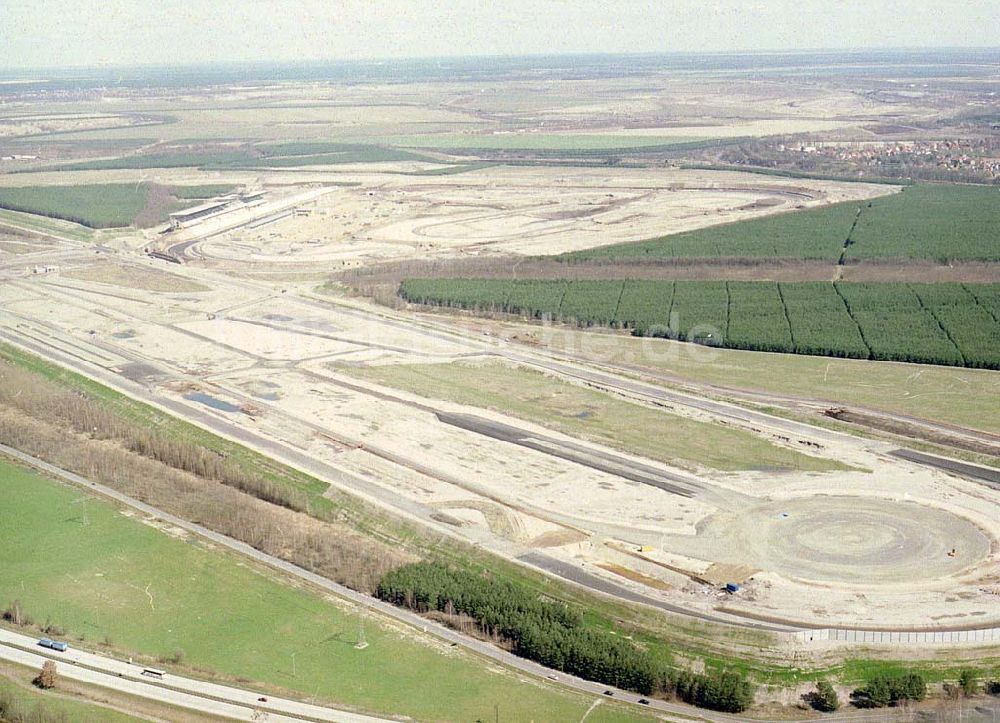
point(734, 129)
point(910, 542)
point(507, 210)
point(134, 277)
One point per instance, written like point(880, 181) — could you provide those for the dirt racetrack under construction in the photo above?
point(846, 535)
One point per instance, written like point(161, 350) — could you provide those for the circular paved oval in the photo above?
point(853, 540)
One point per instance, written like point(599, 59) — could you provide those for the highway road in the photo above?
point(400, 614)
point(174, 690)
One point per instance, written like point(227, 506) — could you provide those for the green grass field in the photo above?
point(277, 155)
point(452, 170)
point(940, 223)
point(78, 562)
point(535, 141)
point(22, 700)
point(952, 395)
point(157, 160)
point(46, 226)
point(322, 152)
point(589, 414)
point(811, 234)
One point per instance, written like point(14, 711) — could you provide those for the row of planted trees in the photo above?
point(553, 634)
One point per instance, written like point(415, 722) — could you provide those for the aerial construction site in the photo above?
point(721, 498)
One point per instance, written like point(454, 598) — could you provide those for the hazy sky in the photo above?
point(41, 33)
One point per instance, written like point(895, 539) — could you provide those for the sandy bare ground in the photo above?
point(504, 210)
point(134, 277)
point(888, 544)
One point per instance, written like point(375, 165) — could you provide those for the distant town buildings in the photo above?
point(970, 160)
point(981, 156)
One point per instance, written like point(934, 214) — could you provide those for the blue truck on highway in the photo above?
point(54, 645)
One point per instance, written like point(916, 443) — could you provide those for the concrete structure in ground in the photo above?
point(182, 218)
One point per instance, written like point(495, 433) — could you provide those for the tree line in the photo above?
point(82, 434)
point(552, 633)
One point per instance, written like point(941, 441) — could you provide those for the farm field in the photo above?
point(96, 206)
point(591, 415)
point(100, 206)
point(247, 625)
point(941, 223)
point(279, 155)
point(208, 190)
point(951, 324)
point(536, 141)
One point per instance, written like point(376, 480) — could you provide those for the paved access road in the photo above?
point(986, 475)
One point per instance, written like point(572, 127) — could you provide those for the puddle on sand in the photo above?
point(263, 389)
point(211, 401)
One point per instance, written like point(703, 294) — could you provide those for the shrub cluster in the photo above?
point(546, 631)
point(728, 692)
point(883, 690)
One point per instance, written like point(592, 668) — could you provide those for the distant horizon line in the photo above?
point(495, 56)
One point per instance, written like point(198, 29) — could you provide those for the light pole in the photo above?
point(293, 664)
